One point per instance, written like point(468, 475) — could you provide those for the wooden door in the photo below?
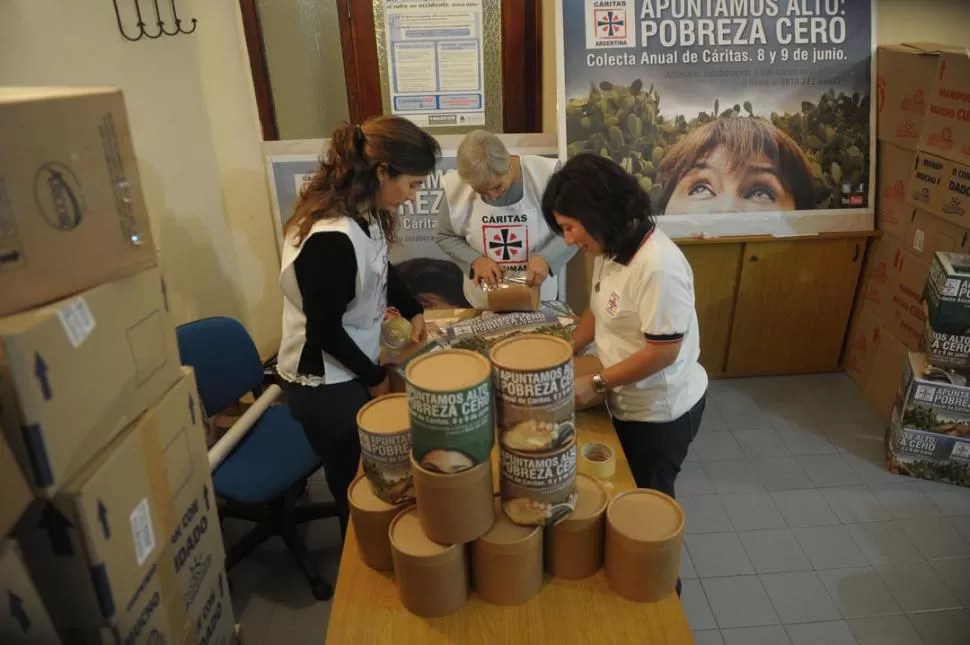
point(716, 273)
point(793, 306)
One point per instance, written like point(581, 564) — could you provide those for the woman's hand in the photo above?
point(419, 331)
point(537, 271)
point(486, 270)
point(381, 389)
point(583, 389)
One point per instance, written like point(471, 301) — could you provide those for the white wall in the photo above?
point(196, 133)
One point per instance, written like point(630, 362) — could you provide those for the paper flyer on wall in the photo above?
point(739, 117)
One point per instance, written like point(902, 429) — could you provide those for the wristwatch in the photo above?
point(599, 385)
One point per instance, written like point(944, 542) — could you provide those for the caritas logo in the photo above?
point(943, 140)
point(916, 104)
point(895, 191)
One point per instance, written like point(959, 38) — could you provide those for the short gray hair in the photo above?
point(482, 155)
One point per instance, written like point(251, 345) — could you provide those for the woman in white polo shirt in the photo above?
point(641, 316)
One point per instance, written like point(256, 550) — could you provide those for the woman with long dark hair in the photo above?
point(337, 284)
point(641, 316)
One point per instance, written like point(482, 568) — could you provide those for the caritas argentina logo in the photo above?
point(58, 195)
point(610, 24)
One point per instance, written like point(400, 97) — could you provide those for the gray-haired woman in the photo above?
point(490, 222)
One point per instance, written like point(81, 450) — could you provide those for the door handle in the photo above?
point(755, 258)
point(855, 254)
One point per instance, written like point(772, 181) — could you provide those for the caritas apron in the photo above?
point(509, 235)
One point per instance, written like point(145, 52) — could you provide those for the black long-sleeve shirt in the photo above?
point(326, 272)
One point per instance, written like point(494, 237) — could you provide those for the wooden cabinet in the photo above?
point(768, 306)
point(716, 268)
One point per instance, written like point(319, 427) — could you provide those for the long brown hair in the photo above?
point(347, 181)
point(744, 138)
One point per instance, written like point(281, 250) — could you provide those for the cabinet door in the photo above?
point(716, 268)
point(793, 306)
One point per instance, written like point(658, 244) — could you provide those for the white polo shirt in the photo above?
point(650, 300)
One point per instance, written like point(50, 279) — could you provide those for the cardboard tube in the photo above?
point(458, 508)
point(510, 297)
point(432, 579)
point(574, 546)
point(372, 519)
point(644, 534)
point(507, 562)
point(597, 460)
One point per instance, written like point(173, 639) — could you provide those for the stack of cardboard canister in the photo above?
point(922, 206)
point(109, 526)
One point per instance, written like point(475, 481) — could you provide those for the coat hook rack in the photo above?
point(143, 31)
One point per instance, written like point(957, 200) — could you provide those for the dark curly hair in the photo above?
point(605, 199)
point(347, 182)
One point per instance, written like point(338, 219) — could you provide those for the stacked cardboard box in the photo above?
point(923, 156)
point(122, 543)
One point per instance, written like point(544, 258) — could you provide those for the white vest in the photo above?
point(506, 234)
point(364, 314)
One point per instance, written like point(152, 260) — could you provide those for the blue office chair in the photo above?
point(261, 464)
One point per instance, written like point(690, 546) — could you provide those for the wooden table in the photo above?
point(366, 608)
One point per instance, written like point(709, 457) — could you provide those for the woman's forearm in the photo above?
point(646, 362)
point(585, 331)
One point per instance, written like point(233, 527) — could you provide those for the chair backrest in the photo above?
point(224, 358)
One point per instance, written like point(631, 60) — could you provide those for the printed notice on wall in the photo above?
point(738, 117)
point(435, 61)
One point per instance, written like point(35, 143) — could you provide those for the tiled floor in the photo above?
point(796, 534)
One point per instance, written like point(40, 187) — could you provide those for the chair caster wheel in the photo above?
point(322, 590)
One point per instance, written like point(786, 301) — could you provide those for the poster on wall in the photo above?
point(739, 117)
point(435, 61)
point(429, 272)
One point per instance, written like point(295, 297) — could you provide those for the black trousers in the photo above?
point(328, 414)
point(655, 451)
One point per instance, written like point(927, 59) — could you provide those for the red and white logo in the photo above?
point(613, 304)
point(610, 24)
point(506, 244)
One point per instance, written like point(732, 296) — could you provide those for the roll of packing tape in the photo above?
point(597, 460)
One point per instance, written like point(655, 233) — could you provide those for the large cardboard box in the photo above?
point(926, 234)
point(940, 187)
point(905, 77)
point(903, 314)
point(23, 618)
point(72, 213)
point(893, 169)
point(864, 340)
point(882, 385)
point(136, 533)
point(73, 374)
point(14, 492)
point(946, 129)
point(930, 427)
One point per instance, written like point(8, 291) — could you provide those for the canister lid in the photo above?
point(506, 532)
point(387, 414)
point(592, 498)
point(449, 370)
point(646, 516)
point(531, 352)
point(408, 537)
point(363, 497)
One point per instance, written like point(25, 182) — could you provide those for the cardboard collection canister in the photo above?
point(455, 509)
point(432, 579)
point(574, 546)
point(383, 426)
point(372, 518)
point(535, 411)
point(507, 562)
point(450, 404)
point(644, 535)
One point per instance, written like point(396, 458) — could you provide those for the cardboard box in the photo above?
point(903, 314)
point(905, 77)
point(135, 531)
point(72, 213)
point(23, 618)
point(75, 373)
point(947, 293)
point(863, 343)
point(940, 187)
point(946, 129)
point(893, 169)
point(14, 491)
point(882, 385)
point(926, 234)
point(930, 427)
